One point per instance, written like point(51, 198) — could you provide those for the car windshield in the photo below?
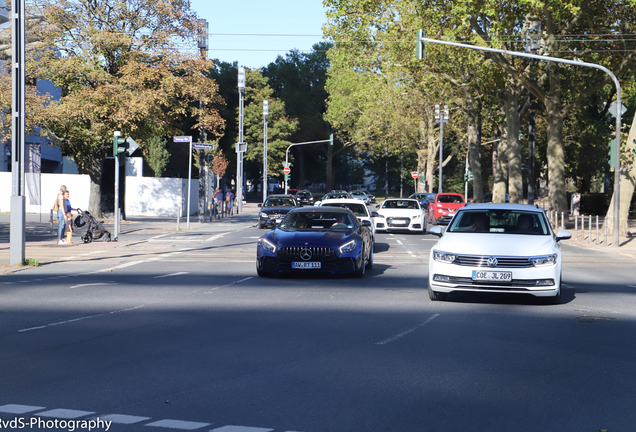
point(317, 220)
point(359, 210)
point(303, 194)
point(358, 193)
point(500, 221)
point(336, 196)
point(279, 202)
point(401, 204)
point(450, 199)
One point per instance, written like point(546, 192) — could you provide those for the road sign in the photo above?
point(132, 146)
point(203, 146)
point(287, 170)
point(613, 109)
point(241, 147)
point(414, 174)
point(183, 139)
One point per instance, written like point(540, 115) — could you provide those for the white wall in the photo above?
point(78, 185)
point(145, 196)
point(152, 196)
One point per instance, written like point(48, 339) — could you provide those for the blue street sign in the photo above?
point(182, 139)
point(202, 146)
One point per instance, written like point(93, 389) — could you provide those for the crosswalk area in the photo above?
point(38, 417)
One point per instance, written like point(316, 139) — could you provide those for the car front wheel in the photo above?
point(363, 265)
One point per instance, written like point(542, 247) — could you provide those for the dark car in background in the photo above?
point(335, 195)
point(305, 198)
point(316, 240)
point(424, 198)
point(274, 210)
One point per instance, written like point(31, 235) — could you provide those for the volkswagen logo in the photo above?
point(305, 254)
point(492, 262)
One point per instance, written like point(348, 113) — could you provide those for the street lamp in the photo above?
point(441, 118)
point(533, 35)
point(265, 115)
point(239, 145)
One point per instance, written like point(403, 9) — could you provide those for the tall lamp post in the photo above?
point(441, 118)
point(533, 35)
point(265, 115)
point(240, 145)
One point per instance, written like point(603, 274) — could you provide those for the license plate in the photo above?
point(306, 265)
point(278, 221)
point(398, 222)
point(492, 276)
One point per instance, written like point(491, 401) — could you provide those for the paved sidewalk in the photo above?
point(627, 245)
point(41, 236)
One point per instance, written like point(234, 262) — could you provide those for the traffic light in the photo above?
point(612, 153)
point(331, 139)
point(287, 177)
point(470, 176)
point(420, 45)
point(119, 144)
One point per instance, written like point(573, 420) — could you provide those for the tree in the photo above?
point(119, 65)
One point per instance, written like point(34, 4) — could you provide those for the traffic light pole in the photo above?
point(330, 141)
point(616, 216)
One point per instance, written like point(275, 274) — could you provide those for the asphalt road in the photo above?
point(180, 333)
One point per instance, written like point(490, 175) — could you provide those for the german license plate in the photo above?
point(398, 222)
point(278, 221)
point(306, 265)
point(492, 276)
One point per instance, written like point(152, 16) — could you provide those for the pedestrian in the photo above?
point(60, 208)
point(229, 199)
point(218, 199)
point(69, 217)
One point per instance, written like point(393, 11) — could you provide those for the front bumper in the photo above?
point(542, 281)
point(390, 225)
point(340, 264)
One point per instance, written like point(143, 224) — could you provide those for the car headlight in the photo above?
point(444, 256)
point(267, 246)
point(348, 247)
point(543, 260)
point(264, 215)
point(416, 217)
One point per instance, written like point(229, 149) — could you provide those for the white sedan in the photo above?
point(497, 248)
point(357, 207)
point(401, 214)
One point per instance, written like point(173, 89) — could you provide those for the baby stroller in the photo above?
point(95, 230)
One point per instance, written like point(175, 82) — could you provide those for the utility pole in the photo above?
point(441, 119)
point(265, 116)
point(240, 146)
point(18, 200)
point(203, 178)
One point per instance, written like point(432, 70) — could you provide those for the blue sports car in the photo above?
point(316, 239)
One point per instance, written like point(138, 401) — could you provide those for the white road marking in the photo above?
point(230, 284)
point(19, 409)
point(171, 274)
point(400, 242)
point(217, 236)
point(404, 333)
point(62, 413)
point(79, 319)
point(94, 284)
point(123, 419)
point(178, 424)
point(633, 286)
point(240, 429)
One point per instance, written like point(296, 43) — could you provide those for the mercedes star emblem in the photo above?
point(305, 254)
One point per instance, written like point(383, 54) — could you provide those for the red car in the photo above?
point(444, 207)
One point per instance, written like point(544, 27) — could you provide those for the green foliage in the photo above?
point(156, 154)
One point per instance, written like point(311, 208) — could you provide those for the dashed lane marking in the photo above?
point(93, 284)
point(240, 429)
point(171, 274)
point(62, 413)
point(178, 424)
point(79, 319)
point(217, 236)
point(123, 419)
point(19, 409)
point(230, 284)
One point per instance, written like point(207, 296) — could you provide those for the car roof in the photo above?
point(280, 196)
point(400, 199)
point(502, 206)
point(318, 209)
point(345, 201)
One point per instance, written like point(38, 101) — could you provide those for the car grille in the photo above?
point(482, 261)
point(405, 222)
point(317, 253)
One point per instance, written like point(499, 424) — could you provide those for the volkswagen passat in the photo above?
point(316, 239)
point(497, 248)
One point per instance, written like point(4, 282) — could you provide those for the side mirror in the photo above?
point(260, 205)
point(366, 223)
point(377, 206)
point(375, 214)
point(563, 235)
point(437, 230)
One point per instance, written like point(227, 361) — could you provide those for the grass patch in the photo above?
point(31, 262)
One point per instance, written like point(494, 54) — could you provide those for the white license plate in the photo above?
point(399, 222)
point(493, 276)
point(306, 265)
point(278, 221)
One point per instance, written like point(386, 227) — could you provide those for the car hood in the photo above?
point(496, 244)
point(399, 212)
point(278, 210)
point(295, 238)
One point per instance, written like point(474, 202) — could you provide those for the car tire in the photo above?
point(360, 271)
point(435, 296)
point(370, 262)
point(261, 273)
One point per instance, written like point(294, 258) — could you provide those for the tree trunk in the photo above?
point(513, 151)
point(95, 197)
point(556, 156)
point(474, 146)
point(500, 181)
point(627, 185)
